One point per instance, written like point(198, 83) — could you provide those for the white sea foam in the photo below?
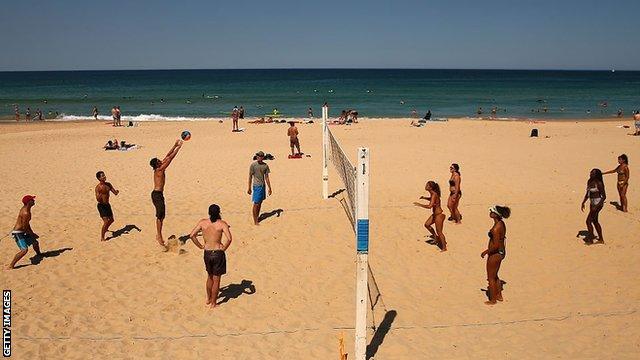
point(141, 117)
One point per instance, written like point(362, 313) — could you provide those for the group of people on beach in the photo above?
point(213, 228)
point(597, 195)
point(27, 114)
point(496, 250)
point(116, 114)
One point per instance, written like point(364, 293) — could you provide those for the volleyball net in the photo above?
point(356, 203)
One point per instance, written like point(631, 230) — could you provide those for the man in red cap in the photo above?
point(22, 232)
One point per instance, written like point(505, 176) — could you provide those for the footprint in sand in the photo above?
point(175, 246)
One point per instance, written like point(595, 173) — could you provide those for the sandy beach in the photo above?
point(290, 287)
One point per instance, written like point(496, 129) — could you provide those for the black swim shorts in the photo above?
point(105, 210)
point(158, 201)
point(215, 261)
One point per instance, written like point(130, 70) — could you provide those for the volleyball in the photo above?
point(186, 135)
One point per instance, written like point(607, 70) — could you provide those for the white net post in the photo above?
point(362, 248)
point(325, 143)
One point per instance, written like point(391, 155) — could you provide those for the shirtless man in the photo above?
point(22, 232)
point(292, 132)
point(215, 260)
point(157, 197)
point(95, 112)
point(16, 110)
point(103, 190)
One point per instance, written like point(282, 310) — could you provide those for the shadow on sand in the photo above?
point(234, 291)
point(616, 204)
point(125, 230)
point(265, 216)
point(37, 259)
point(338, 192)
point(588, 238)
point(381, 332)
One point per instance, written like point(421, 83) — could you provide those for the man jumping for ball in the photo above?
point(215, 260)
point(157, 196)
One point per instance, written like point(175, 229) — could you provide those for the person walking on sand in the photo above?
point(157, 195)
point(27, 115)
point(437, 216)
point(310, 113)
point(596, 195)
point(496, 252)
point(623, 180)
point(215, 260)
point(103, 190)
point(16, 110)
point(454, 193)
point(22, 232)
point(258, 178)
point(95, 112)
point(235, 114)
point(292, 132)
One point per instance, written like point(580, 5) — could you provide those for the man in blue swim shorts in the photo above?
point(258, 184)
point(22, 232)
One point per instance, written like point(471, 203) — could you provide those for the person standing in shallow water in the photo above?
point(215, 260)
point(437, 216)
point(623, 180)
point(496, 252)
point(596, 195)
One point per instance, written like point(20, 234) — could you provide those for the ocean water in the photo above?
point(156, 95)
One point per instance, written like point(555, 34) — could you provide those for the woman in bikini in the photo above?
point(596, 195)
point(623, 179)
point(496, 252)
point(437, 217)
point(454, 193)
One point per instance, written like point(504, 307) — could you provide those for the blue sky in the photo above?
point(163, 34)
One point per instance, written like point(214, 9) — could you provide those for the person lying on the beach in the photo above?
point(262, 121)
point(112, 145)
point(417, 123)
point(124, 146)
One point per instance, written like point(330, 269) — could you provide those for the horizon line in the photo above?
point(321, 68)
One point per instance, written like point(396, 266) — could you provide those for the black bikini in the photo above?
point(502, 251)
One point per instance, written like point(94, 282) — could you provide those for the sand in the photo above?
point(291, 279)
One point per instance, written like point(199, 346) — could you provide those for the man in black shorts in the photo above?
point(103, 190)
point(215, 260)
point(157, 196)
